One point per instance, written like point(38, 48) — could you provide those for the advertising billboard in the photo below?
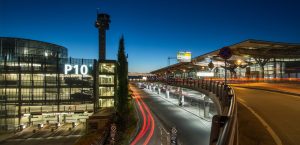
point(184, 56)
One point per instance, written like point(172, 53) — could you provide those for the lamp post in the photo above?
point(225, 53)
point(239, 63)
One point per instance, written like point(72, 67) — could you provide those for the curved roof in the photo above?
point(266, 49)
point(248, 48)
point(25, 39)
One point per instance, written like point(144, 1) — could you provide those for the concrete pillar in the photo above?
point(274, 68)
point(29, 120)
point(64, 119)
point(182, 100)
point(181, 97)
point(168, 93)
point(58, 118)
point(206, 107)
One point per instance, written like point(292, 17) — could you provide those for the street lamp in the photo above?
point(239, 63)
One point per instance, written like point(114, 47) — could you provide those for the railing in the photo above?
point(224, 130)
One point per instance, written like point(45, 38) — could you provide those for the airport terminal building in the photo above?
point(251, 60)
point(39, 83)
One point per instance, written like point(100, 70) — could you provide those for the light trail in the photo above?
point(140, 134)
point(152, 122)
point(148, 121)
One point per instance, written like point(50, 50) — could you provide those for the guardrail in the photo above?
point(224, 130)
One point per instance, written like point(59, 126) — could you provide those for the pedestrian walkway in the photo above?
point(193, 102)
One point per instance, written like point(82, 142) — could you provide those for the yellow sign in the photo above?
point(184, 56)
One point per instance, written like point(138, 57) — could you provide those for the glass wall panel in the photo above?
point(107, 68)
point(106, 79)
point(106, 102)
point(106, 91)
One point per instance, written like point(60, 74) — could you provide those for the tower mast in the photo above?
point(102, 23)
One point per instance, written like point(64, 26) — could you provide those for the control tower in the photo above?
point(102, 23)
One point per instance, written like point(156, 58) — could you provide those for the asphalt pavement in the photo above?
point(279, 111)
point(148, 132)
point(192, 130)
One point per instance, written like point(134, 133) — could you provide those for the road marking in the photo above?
point(241, 100)
point(264, 123)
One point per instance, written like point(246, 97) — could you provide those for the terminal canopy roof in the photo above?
point(246, 49)
point(266, 49)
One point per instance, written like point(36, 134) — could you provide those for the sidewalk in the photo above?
point(189, 106)
point(287, 88)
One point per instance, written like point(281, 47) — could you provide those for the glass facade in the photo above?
point(37, 78)
point(107, 83)
point(12, 47)
point(274, 68)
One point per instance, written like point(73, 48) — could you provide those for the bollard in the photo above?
point(179, 101)
point(167, 93)
point(206, 107)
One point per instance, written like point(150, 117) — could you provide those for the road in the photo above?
point(279, 111)
point(192, 130)
point(149, 128)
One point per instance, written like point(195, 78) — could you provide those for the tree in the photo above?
point(262, 62)
point(122, 104)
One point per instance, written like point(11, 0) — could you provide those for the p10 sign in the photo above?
point(77, 69)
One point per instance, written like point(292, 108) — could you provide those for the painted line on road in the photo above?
point(264, 123)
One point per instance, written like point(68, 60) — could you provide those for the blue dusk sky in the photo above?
point(153, 29)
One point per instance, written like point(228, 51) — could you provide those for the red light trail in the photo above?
point(148, 126)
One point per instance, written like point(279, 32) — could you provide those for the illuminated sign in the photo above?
point(184, 56)
point(78, 69)
point(205, 74)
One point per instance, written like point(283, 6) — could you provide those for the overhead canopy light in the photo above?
point(205, 74)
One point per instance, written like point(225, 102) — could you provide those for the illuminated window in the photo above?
point(107, 68)
point(106, 79)
point(106, 102)
point(106, 91)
